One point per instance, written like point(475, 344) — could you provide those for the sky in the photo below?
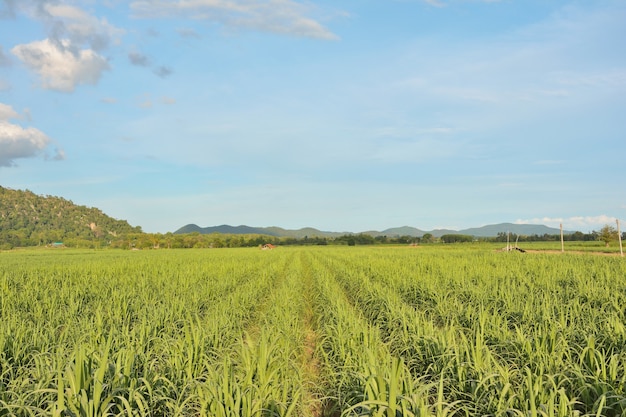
point(348, 115)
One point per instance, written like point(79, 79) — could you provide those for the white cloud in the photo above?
point(60, 66)
point(276, 16)
point(18, 142)
point(70, 54)
point(582, 223)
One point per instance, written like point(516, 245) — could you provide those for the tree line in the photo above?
point(140, 240)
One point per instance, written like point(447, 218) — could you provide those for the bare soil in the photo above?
point(578, 252)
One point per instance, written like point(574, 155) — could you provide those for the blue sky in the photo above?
point(341, 115)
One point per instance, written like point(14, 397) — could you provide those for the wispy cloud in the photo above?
point(146, 104)
point(554, 66)
point(57, 155)
point(436, 3)
point(549, 162)
point(606, 79)
point(4, 60)
point(81, 28)
point(442, 3)
point(138, 59)
point(188, 33)
point(404, 131)
point(7, 112)
point(416, 150)
point(7, 9)
point(163, 71)
point(285, 17)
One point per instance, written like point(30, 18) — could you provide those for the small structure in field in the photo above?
point(268, 246)
point(510, 247)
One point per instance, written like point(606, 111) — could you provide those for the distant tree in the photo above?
point(428, 238)
point(607, 234)
point(456, 238)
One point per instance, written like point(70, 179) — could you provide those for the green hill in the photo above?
point(28, 219)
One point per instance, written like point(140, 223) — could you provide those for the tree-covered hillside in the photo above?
point(27, 219)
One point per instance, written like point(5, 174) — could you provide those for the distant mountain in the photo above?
point(267, 231)
point(224, 229)
point(28, 219)
point(518, 229)
point(300, 233)
point(403, 231)
point(484, 231)
point(441, 232)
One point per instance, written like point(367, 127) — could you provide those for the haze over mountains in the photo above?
point(483, 231)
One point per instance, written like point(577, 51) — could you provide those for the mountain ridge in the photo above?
point(490, 230)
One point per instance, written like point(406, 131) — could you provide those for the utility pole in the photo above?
point(619, 236)
point(562, 244)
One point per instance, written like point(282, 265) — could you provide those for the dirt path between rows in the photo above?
point(311, 364)
point(577, 252)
